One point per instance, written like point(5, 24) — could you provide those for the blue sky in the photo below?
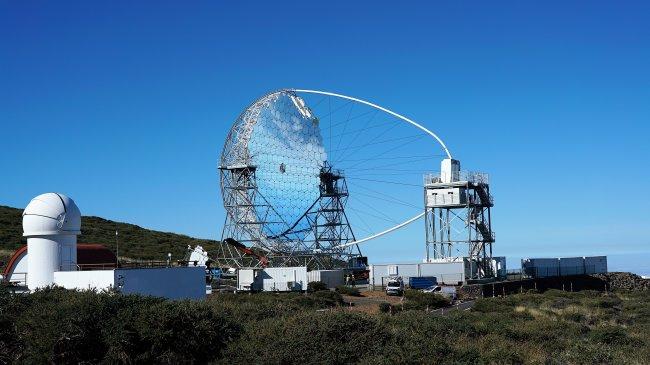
point(125, 106)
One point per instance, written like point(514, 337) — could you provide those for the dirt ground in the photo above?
point(369, 301)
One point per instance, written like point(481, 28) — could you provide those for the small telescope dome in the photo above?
point(51, 214)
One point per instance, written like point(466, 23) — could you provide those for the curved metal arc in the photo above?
point(417, 125)
point(381, 233)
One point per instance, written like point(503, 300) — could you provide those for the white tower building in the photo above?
point(51, 223)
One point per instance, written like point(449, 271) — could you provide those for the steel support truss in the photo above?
point(462, 228)
point(247, 212)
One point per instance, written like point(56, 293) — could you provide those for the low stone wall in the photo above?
point(568, 283)
point(624, 280)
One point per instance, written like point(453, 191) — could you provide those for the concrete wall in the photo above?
point(171, 282)
point(84, 280)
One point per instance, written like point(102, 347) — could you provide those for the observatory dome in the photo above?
point(51, 214)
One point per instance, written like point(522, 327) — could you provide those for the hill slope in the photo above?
point(135, 242)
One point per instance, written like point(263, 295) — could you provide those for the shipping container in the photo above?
point(422, 282)
point(272, 279)
point(284, 278)
point(572, 266)
point(540, 267)
point(595, 264)
point(331, 278)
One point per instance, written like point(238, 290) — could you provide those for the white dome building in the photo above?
point(51, 224)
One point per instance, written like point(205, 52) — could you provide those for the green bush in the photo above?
point(491, 305)
point(347, 290)
point(609, 335)
point(327, 298)
point(310, 338)
point(315, 286)
point(416, 299)
point(60, 326)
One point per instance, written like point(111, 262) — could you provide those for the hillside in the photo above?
point(135, 242)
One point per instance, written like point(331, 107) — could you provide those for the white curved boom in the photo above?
point(382, 233)
point(382, 109)
point(415, 124)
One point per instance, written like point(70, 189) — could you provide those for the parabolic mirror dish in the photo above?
point(279, 136)
point(275, 163)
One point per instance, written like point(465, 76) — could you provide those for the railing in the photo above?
point(143, 264)
point(470, 176)
point(15, 278)
point(97, 266)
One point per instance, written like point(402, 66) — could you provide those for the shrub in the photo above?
point(310, 338)
point(346, 290)
point(328, 298)
point(608, 302)
point(491, 305)
point(416, 299)
point(609, 335)
point(61, 326)
point(315, 286)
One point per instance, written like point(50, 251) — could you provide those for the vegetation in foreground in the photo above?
point(62, 326)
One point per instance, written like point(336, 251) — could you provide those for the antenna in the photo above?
point(117, 249)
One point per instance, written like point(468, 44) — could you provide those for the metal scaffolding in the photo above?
point(458, 221)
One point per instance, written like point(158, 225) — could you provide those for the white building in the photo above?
point(51, 224)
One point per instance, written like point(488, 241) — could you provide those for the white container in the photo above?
point(595, 264)
point(572, 266)
point(331, 278)
point(283, 278)
point(246, 279)
point(446, 272)
point(449, 170)
point(446, 197)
